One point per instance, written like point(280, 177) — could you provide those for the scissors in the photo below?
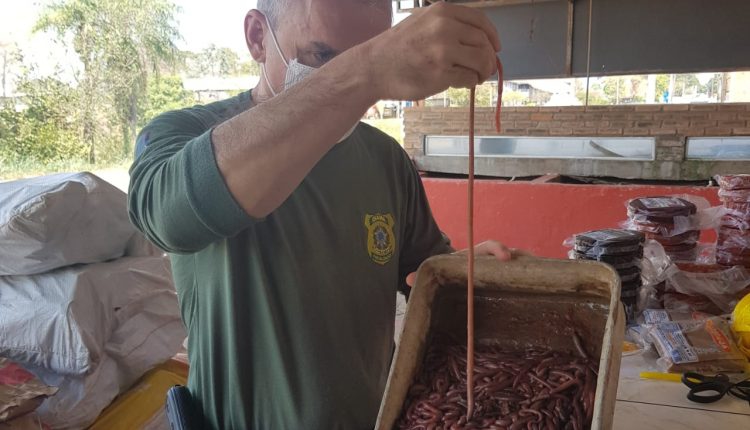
point(708, 389)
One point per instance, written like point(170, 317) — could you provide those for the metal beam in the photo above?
point(569, 46)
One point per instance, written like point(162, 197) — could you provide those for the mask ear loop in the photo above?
point(275, 42)
point(278, 49)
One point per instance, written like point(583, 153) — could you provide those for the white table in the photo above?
point(663, 405)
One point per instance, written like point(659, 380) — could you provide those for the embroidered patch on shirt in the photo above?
point(381, 242)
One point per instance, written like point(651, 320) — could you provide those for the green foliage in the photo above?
point(596, 95)
point(216, 61)
point(686, 84)
point(45, 129)
point(249, 68)
point(390, 126)
point(164, 93)
point(459, 97)
point(514, 98)
point(662, 85)
point(120, 43)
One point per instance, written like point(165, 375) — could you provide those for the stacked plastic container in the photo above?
point(733, 242)
point(667, 220)
point(623, 250)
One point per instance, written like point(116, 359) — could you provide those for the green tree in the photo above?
point(249, 68)
point(164, 93)
point(662, 86)
point(596, 94)
point(686, 84)
point(44, 128)
point(459, 97)
point(514, 98)
point(120, 43)
point(217, 61)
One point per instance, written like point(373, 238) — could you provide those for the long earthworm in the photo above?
point(470, 274)
point(534, 389)
point(532, 404)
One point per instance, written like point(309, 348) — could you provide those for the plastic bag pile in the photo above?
point(86, 303)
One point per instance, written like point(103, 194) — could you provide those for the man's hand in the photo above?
point(490, 247)
point(441, 46)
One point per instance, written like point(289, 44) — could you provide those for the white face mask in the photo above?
point(295, 73)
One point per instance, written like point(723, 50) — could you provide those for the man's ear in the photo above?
point(255, 31)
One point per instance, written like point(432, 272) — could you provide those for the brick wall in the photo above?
point(669, 124)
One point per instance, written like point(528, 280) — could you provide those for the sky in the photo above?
point(201, 23)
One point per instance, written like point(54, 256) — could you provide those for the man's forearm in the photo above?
point(265, 152)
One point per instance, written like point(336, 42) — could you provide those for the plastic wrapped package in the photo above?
point(639, 333)
point(62, 320)
point(733, 247)
point(736, 220)
point(682, 253)
point(617, 262)
point(609, 242)
point(623, 250)
point(733, 182)
point(664, 217)
point(686, 303)
point(737, 207)
point(700, 345)
point(649, 297)
point(660, 209)
point(656, 264)
point(59, 220)
point(690, 236)
point(705, 287)
point(737, 196)
point(730, 260)
point(631, 274)
point(655, 316)
point(722, 287)
point(734, 241)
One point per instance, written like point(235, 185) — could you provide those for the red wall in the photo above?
point(539, 216)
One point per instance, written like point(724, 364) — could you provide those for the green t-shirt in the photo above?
point(290, 318)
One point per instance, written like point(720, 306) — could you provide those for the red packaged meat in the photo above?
point(736, 221)
point(742, 208)
point(690, 236)
point(733, 182)
point(659, 209)
point(739, 196)
point(733, 247)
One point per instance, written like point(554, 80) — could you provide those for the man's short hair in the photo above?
point(273, 9)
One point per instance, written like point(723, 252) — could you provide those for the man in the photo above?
point(290, 226)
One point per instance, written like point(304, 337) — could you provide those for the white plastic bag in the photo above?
point(62, 320)
point(137, 346)
point(80, 399)
point(58, 220)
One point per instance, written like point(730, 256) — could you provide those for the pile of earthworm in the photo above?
point(534, 389)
